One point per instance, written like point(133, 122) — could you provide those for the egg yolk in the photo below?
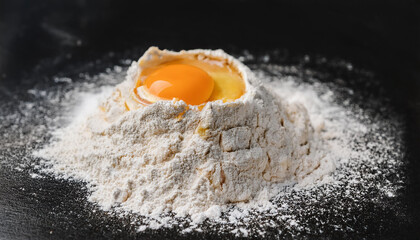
point(181, 81)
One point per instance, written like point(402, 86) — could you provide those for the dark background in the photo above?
point(381, 36)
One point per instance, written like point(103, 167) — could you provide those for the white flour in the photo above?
point(167, 158)
point(361, 132)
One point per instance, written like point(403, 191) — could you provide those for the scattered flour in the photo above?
point(168, 157)
point(366, 144)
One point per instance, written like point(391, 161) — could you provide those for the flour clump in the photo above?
point(168, 156)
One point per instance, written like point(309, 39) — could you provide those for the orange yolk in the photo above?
point(181, 81)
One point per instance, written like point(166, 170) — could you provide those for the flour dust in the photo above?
point(368, 146)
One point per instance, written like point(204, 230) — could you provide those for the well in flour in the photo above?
point(150, 161)
point(350, 133)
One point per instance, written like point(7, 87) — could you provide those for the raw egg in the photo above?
point(180, 81)
point(195, 79)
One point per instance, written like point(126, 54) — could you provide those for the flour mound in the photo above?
point(169, 157)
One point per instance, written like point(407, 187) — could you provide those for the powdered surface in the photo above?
point(369, 175)
point(166, 157)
